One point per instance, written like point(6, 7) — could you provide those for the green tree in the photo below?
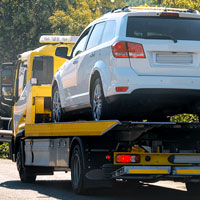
point(193, 4)
point(139, 2)
point(21, 24)
point(77, 14)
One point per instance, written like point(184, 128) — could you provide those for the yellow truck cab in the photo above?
point(32, 86)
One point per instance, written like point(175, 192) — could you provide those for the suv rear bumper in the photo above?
point(151, 103)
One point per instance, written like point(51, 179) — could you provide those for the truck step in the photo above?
point(131, 170)
point(156, 170)
point(186, 170)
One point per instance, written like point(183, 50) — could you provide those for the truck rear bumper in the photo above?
point(155, 170)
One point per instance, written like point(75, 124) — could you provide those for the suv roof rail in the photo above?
point(131, 9)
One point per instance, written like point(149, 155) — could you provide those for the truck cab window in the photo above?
point(22, 77)
point(43, 69)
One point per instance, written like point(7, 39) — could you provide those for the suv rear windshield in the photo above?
point(163, 28)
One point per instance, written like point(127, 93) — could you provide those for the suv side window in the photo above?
point(109, 31)
point(80, 45)
point(95, 36)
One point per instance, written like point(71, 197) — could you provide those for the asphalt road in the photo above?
point(59, 187)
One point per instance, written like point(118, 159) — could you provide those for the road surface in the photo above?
point(59, 187)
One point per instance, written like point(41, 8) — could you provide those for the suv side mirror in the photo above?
point(6, 86)
point(62, 52)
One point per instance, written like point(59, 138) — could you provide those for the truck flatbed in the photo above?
point(99, 128)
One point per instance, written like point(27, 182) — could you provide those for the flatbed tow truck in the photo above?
point(97, 152)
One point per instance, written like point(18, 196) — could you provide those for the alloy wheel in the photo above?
point(56, 110)
point(97, 102)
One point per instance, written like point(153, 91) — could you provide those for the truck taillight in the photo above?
point(127, 158)
point(128, 50)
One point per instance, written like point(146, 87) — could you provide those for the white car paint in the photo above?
point(168, 65)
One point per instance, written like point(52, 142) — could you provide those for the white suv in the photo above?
point(132, 63)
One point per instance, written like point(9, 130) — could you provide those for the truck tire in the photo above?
point(24, 173)
point(77, 171)
point(193, 187)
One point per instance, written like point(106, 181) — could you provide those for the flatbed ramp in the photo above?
point(69, 129)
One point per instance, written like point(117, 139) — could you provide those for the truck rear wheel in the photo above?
point(24, 173)
point(193, 187)
point(77, 171)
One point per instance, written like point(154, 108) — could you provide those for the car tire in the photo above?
point(99, 105)
point(77, 171)
point(56, 110)
point(26, 176)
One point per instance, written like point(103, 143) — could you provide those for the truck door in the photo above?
point(22, 95)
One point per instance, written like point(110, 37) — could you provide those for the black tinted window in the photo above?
point(96, 34)
point(179, 28)
point(109, 31)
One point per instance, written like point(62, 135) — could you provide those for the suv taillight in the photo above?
point(128, 50)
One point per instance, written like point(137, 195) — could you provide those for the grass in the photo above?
point(4, 150)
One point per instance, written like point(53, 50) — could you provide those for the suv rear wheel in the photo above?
point(98, 102)
point(56, 110)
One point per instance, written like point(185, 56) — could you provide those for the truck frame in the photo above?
point(96, 152)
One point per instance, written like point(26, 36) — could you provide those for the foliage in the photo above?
point(75, 16)
point(193, 4)
point(4, 150)
point(23, 22)
point(185, 118)
point(139, 2)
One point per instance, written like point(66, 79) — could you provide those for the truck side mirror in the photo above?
point(62, 52)
point(6, 86)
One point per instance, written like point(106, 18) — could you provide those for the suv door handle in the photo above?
point(92, 54)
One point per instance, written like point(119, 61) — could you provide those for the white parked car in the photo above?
point(132, 63)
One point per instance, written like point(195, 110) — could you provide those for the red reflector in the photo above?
point(128, 158)
point(135, 50)
point(167, 14)
point(108, 157)
point(128, 50)
point(119, 50)
point(121, 89)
